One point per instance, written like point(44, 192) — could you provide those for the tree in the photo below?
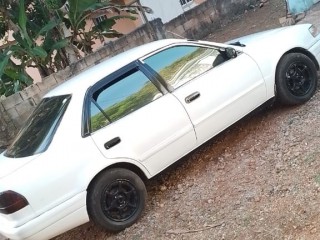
point(33, 45)
point(39, 40)
point(75, 19)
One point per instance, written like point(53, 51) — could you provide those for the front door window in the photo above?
point(180, 64)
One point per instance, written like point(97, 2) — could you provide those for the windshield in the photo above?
point(36, 135)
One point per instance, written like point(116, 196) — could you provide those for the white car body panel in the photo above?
point(55, 181)
point(8, 167)
point(150, 142)
point(315, 49)
point(65, 216)
point(223, 100)
point(268, 47)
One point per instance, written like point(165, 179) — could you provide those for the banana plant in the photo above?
point(33, 46)
point(39, 41)
point(80, 11)
point(13, 78)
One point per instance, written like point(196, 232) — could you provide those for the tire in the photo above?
point(116, 199)
point(296, 79)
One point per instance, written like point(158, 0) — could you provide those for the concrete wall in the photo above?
point(196, 23)
point(7, 129)
point(164, 9)
point(206, 18)
point(167, 10)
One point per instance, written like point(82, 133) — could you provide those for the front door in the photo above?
point(215, 88)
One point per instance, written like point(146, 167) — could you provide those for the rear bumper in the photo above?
point(62, 218)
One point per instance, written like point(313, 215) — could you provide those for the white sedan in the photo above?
point(87, 149)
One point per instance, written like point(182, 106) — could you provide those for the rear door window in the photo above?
point(121, 97)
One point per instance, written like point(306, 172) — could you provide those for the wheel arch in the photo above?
point(125, 165)
point(302, 51)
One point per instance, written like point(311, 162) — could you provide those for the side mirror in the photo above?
point(231, 53)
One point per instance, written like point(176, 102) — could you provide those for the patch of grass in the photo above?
point(317, 178)
point(311, 157)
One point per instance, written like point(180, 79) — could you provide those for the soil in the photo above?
point(259, 18)
point(259, 179)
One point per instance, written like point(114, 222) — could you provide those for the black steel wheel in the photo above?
point(116, 199)
point(296, 79)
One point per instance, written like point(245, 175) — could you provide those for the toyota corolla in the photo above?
point(90, 144)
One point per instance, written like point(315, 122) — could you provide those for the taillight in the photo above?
point(11, 202)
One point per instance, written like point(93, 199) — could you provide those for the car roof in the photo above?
point(90, 76)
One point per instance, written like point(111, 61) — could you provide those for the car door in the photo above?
point(133, 118)
point(215, 87)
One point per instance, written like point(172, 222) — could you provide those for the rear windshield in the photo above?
point(36, 135)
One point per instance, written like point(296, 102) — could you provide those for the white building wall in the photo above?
point(165, 9)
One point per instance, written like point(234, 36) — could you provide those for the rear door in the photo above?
point(215, 89)
point(133, 118)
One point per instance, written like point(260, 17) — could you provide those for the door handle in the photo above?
point(192, 97)
point(112, 143)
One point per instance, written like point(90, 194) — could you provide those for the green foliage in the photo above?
point(32, 24)
point(39, 39)
point(12, 78)
point(23, 22)
point(82, 10)
point(55, 4)
point(4, 59)
point(3, 26)
point(317, 178)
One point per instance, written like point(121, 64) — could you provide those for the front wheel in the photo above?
point(296, 79)
point(116, 199)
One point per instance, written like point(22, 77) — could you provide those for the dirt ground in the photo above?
point(260, 179)
point(255, 20)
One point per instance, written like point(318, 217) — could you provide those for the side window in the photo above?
point(184, 2)
point(126, 94)
point(179, 64)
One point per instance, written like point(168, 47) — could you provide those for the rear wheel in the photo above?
point(296, 79)
point(116, 199)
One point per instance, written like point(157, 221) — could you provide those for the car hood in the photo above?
point(10, 165)
point(257, 37)
point(278, 38)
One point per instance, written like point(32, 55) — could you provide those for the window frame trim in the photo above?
point(178, 44)
point(137, 64)
point(187, 2)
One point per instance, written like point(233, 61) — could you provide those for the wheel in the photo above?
point(116, 199)
point(296, 79)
